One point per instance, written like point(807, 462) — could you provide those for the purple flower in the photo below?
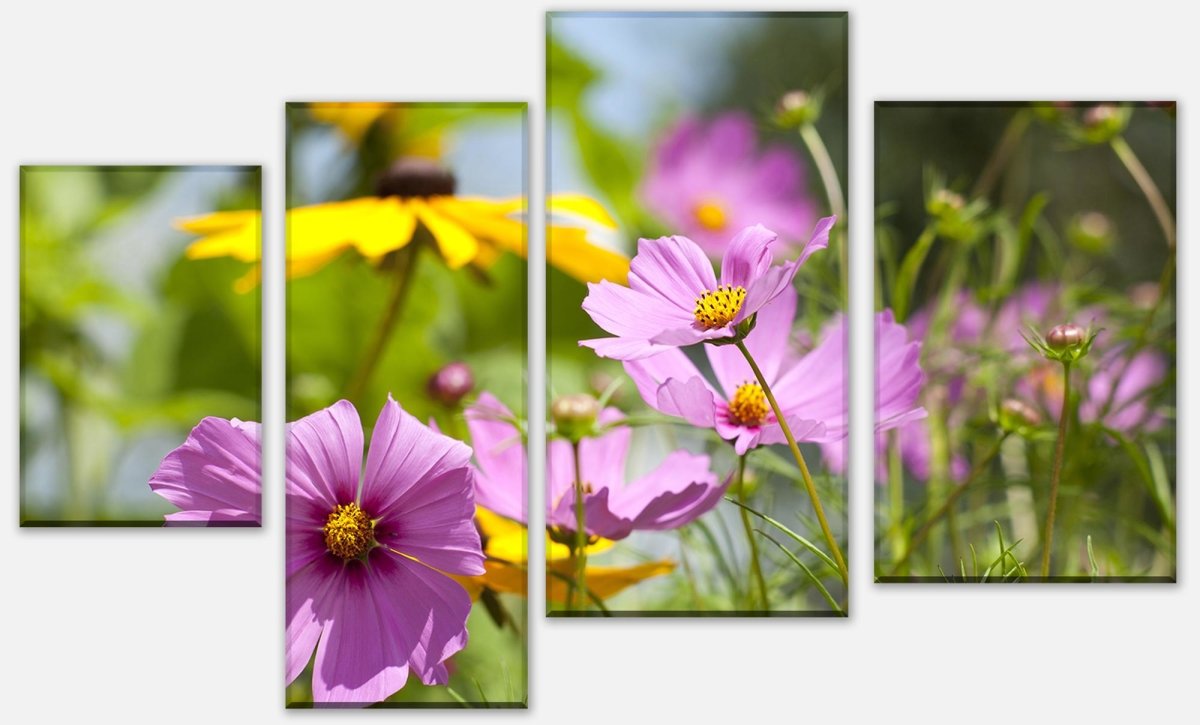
point(678, 491)
point(214, 477)
point(898, 384)
point(709, 179)
point(367, 565)
point(1116, 391)
point(675, 493)
point(810, 390)
point(674, 298)
point(500, 455)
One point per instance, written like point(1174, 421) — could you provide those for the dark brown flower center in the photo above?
point(413, 176)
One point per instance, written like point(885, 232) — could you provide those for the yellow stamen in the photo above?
point(749, 405)
point(711, 215)
point(717, 308)
point(349, 532)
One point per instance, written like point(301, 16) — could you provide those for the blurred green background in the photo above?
point(125, 344)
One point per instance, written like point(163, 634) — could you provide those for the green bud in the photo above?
point(1091, 232)
point(575, 416)
point(797, 108)
point(1017, 416)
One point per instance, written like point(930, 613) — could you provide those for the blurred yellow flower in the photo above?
point(507, 564)
point(414, 191)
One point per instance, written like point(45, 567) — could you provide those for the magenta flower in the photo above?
point(367, 564)
point(1117, 391)
point(678, 491)
point(500, 455)
point(674, 298)
point(898, 384)
point(810, 390)
point(708, 179)
point(214, 477)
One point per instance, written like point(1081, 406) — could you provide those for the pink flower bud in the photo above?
point(451, 383)
point(1062, 337)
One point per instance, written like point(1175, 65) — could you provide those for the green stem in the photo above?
point(406, 262)
point(1158, 203)
point(1056, 473)
point(825, 167)
point(923, 532)
point(833, 186)
point(1004, 151)
point(580, 590)
point(809, 486)
point(755, 564)
point(896, 491)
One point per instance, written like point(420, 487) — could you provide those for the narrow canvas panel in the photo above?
point(406, 360)
point(139, 323)
point(1025, 252)
point(696, 298)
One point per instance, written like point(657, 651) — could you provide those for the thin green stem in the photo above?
point(406, 262)
point(580, 589)
point(825, 167)
point(1056, 473)
point(833, 187)
point(923, 533)
point(809, 486)
point(755, 564)
point(896, 491)
point(1145, 182)
point(1004, 150)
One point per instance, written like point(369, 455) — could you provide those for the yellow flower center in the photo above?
point(711, 215)
point(349, 532)
point(717, 308)
point(749, 405)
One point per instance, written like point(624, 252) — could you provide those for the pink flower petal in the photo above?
point(500, 454)
point(404, 457)
point(674, 271)
point(324, 455)
point(748, 256)
point(215, 475)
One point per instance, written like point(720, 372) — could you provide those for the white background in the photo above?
point(186, 625)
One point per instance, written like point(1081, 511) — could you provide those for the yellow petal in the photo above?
point(383, 226)
point(568, 249)
point(482, 219)
point(603, 581)
point(456, 245)
point(224, 234)
point(580, 206)
point(353, 119)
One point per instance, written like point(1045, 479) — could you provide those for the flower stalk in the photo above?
point(578, 599)
point(756, 573)
point(809, 486)
point(405, 265)
point(1056, 472)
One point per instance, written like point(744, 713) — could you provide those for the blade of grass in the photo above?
point(825, 558)
point(808, 572)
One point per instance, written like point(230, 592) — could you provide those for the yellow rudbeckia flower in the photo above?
point(415, 192)
point(507, 564)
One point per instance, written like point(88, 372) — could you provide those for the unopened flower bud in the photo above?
point(943, 201)
point(1092, 232)
point(1062, 337)
point(575, 416)
point(1016, 414)
point(450, 384)
point(1097, 115)
point(796, 108)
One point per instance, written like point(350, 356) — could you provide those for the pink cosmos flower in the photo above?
point(500, 474)
point(214, 476)
point(898, 384)
point(677, 492)
point(674, 298)
point(365, 563)
point(368, 554)
point(708, 179)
